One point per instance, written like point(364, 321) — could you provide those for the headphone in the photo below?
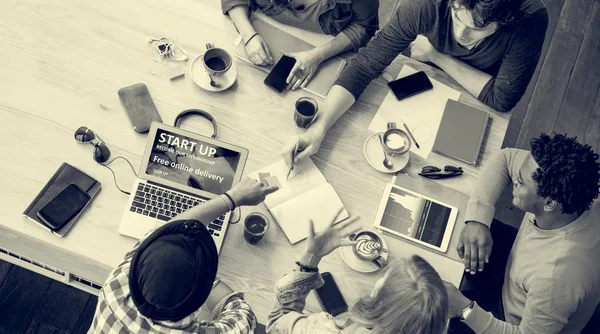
point(198, 112)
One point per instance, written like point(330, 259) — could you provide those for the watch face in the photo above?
point(467, 310)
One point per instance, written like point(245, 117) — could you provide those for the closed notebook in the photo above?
point(461, 132)
point(278, 40)
point(304, 196)
point(65, 175)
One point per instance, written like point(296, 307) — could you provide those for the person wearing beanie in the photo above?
point(167, 277)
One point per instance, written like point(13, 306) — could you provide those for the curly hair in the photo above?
point(485, 12)
point(568, 172)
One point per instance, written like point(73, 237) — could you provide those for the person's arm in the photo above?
point(498, 174)
point(364, 24)
point(287, 315)
point(411, 19)
point(470, 78)
point(241, 20)
point(547, 310)
point(505, 90)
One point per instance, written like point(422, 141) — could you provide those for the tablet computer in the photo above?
point(416, 217)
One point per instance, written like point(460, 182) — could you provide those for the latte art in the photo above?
point(368, 249)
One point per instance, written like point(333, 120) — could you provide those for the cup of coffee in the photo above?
point(216, 61)
point(306, 110)
point(369, 246)
point(255, 227)
point(395, 141)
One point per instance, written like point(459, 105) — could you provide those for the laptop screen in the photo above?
point(192, 162)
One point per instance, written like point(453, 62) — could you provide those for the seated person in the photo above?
point(409, 298)
point(352, 22)
point(551, 278)
point(170, 273)
point(490, 47)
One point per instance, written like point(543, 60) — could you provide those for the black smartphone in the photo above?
point(330, 296)
point(410, 85)
point(279, 73)
point(62, 208)
point(139, 106)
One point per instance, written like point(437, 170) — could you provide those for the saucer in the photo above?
point(360, 265)
point(374, 155)
point(202, 79)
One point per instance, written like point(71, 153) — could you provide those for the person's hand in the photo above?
point(422, 50)
point(258, 51)
point(250, 192)
point(456, 300)
point(475, 246)
point(330, 238)
point(307, 63)
point(308, 144)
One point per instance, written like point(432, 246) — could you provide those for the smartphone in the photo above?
point(410, 85)
point(62, 208)
point(139, 106)
point(279, 73)
point(330, 296)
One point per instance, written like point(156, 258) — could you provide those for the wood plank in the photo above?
point(592, 134)
point(554, 8)
point(62, 306)
point(17, 309)
point(85, 320)
point(576, 108)
point(37, 327)
point(4, 269)
point(556, 71)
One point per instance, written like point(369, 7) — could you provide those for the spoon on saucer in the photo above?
point(213, 83)
point(386, 163)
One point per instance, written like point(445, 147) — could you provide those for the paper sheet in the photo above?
point(422, 113)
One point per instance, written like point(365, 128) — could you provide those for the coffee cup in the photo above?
point(216, 61)
point(369, 246)
point(255, 227)
point(305, 112)
point(395, 141)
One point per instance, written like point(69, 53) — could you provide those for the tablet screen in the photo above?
point(415, 217)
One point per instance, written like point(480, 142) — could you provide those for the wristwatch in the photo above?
point(467, 311)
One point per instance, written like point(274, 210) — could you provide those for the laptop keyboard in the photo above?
point(164, 204)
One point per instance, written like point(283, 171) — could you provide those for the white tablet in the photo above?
point(416, 217)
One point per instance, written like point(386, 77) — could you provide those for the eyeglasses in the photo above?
point(433, 172)
point(85, 135)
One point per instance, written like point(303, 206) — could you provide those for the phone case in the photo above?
point(337, 311)
point(139, 106)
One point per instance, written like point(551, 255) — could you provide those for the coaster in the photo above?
point(202, 79)
point(374, 155)
point(358, 264)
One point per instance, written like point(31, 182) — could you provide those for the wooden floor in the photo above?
point(34, 304)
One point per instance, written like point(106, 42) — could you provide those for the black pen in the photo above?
point(410, 134)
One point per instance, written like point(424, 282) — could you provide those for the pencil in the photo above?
point(293, 156)
point(410, 134)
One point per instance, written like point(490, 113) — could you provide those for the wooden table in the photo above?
point(62, 63)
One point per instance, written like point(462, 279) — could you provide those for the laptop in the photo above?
point(180, 170)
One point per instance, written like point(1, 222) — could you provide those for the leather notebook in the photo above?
point(278, 40)
point(461, 132)
point(65, 175)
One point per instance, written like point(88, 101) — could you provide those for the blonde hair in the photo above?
point(412, 300)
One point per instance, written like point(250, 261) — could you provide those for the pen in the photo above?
point(293, 156)
point(410, 134)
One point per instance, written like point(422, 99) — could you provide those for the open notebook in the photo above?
point(305, 195)
point(278, 40)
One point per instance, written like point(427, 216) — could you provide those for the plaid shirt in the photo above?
point(116, 313)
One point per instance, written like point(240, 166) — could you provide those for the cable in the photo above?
point(115, 176)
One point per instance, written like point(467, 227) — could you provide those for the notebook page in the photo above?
point(319, 204)
point(304, 177)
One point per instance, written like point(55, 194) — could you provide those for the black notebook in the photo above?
point(65, 175)
point(461, 132)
